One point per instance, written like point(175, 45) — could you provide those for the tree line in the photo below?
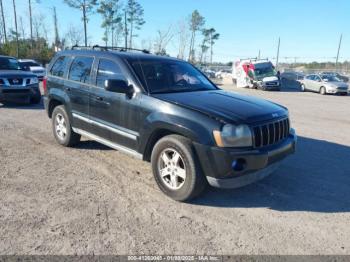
point(121, 23)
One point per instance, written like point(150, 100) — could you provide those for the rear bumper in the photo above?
point(220, 164)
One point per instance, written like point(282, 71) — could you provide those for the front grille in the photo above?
point(15, 81)
point(271, 133)
point(2, 82)
point(271, 83)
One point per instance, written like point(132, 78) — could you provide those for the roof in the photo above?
point(5, 56)
point(26, 60)
point(130, 56)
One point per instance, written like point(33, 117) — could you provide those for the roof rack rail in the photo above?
point(121, 49)
point(107, 48)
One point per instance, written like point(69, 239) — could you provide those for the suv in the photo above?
point(165, 111)
point(17, 85)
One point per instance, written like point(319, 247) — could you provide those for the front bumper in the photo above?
point(18, 93)
point(219, 164)
point(337, 91)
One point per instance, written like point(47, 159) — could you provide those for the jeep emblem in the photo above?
point(15, 81)
point(274, 115)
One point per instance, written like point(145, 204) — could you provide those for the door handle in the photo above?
point(68, 89)
point(99, 98)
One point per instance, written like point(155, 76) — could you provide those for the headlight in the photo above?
point(233, 136)
point(33, 80)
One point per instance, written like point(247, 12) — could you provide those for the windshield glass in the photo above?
point(330, 78)
point(170, 76)
point(7, 63)
point(264, 72)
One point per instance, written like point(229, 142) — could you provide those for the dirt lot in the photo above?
point(94, 200)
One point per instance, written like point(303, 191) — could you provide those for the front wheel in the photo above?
point(322, 90)
point(62, 128)
point(176, 168)
point(302, 88)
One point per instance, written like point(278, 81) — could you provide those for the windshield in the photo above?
point(7, 63)
point(171, 76)
point(330, 78)
point(264, 72)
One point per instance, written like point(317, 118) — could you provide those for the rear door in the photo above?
point(77, 87)
point(309, 82)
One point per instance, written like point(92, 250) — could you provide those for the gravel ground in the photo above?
point(94, 200)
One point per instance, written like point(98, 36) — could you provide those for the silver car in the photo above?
point(324, 84)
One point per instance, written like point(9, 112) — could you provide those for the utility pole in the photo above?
point(15, 14)
point(259, 55)
point(31, 23)
point(125, 31)
point(278, 52)
point(336, 62)
point(3, 21)
point(84, 17)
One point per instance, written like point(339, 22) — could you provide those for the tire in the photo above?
point(66, 136)
point(36, 99)
point(182, 179)
point(323, 90)
point(302, 86)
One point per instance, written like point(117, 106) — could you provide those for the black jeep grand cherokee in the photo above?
point(165, 111)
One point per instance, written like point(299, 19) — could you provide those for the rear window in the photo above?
point(80, 69)
point(59, 66)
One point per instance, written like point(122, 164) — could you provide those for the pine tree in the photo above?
point(134, 18)
point(87, 6)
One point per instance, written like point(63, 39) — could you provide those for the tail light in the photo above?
point(45, 84)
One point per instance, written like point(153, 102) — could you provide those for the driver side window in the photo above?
point(107, 69)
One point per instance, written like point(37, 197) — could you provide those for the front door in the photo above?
point(108, 110)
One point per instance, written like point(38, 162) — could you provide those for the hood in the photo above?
point(270, 79)
point(15, 73)
point(227, 106)
point(36, 68)
point(338, 84)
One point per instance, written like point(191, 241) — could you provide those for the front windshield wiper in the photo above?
point(182, 91)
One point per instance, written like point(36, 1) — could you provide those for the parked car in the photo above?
point(209, 73)
point(165, 111)
point(292, 76)
point(337, 75)
point(17, 85)
point(324, 84)
point(33, 66)
point(223, 73)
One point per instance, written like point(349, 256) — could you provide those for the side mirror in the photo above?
point(119, 86)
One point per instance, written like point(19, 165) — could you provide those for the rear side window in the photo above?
point(108, 69)
point(311, 77)
point(80, 69)
point(59, 66)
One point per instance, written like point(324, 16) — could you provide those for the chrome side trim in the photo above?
point(108, 143)
point(112, 129)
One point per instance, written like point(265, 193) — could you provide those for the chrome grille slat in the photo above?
point(271, 133)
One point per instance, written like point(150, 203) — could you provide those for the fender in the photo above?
point(174, 124)
point(61, 96)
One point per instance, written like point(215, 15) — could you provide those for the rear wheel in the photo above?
point(322, 90)
point(302, 86)
point(62, 128)
point(176, 168)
